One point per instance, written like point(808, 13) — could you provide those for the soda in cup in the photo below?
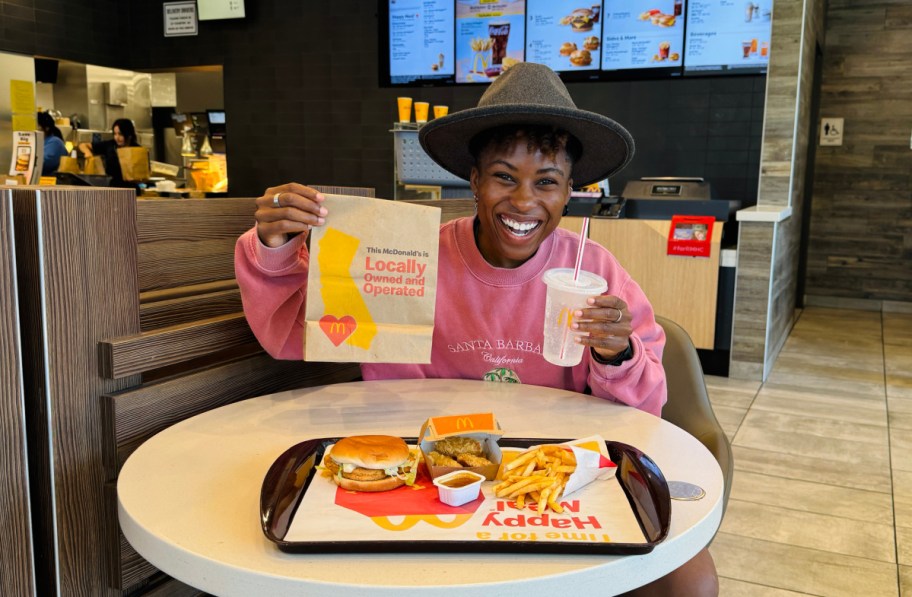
point(564, 297)
point(499, 34)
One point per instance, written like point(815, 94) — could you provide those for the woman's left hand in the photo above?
point(608, 323)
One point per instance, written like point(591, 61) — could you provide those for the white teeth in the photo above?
point(519, 228)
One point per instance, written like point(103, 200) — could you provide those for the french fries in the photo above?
point(539, 474)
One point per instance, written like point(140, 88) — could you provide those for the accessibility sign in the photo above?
point(831, 131)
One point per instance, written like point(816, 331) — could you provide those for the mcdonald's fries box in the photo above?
point(446, 441)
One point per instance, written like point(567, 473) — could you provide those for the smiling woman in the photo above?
point(521, 148)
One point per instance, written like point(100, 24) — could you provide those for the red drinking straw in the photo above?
point(584, 232)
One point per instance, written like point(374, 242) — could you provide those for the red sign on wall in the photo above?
point(690, 235)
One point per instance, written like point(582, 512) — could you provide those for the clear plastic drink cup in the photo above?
point(564, 297)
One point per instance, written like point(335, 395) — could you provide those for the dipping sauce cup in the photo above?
point(459, 487)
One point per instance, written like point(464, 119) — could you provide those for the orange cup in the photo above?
point(421, 112)
point(405, 109)
point(441, 111)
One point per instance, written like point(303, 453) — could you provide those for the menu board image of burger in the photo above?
point(564, 34)
point(642, 34)
point(489, 38)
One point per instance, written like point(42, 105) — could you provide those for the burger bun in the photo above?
point(371, 451)
point(567, 48)
point(581, 58)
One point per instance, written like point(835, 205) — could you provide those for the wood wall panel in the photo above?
point(766, 287)
point(860, 232)
point(83, 289)
point(17, 570)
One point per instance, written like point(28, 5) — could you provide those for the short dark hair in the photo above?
point(45, 120)
point(127, 130)
point(547, 139)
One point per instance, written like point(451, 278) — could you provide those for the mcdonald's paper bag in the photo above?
point(372, 282)
point(94, 165)
point(134, 163)
point(68, 164)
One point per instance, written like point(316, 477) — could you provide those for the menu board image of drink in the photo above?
point(564, 34)
point(490, 37)
point(643, 34)
point(727, 36)
point(420, 40)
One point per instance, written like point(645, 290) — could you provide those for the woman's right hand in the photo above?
point(286, 211)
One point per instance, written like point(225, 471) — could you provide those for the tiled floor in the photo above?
point(821, 501)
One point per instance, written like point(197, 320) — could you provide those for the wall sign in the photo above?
point(180, 19)
point(831, 131)
point(690, 236)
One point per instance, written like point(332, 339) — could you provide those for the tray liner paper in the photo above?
point(596, 513)
point(372, 282)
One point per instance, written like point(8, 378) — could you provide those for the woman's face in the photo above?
point(521, 197)
point(118, 137)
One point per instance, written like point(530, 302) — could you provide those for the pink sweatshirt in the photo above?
point(488, 320)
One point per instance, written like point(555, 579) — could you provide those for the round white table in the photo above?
point(188, 497)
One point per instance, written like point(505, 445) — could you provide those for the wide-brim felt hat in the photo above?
point(530, 94)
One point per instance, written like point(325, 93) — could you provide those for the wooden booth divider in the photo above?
point(131, 321)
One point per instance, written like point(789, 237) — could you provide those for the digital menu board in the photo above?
point(490, 37)
point(564, 34)
point(446, 42)
point(727, 36)
point(643, 34)
point(420, 40)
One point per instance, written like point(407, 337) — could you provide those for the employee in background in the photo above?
point(124, 136)
point(54, 147)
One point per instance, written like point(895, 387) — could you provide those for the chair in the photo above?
point(688, 404)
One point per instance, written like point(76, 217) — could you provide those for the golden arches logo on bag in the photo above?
point(410, 520)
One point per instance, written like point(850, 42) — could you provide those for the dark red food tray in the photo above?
point(640, 478)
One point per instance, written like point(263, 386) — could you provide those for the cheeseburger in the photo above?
point(581, 19)
point(371, 463)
